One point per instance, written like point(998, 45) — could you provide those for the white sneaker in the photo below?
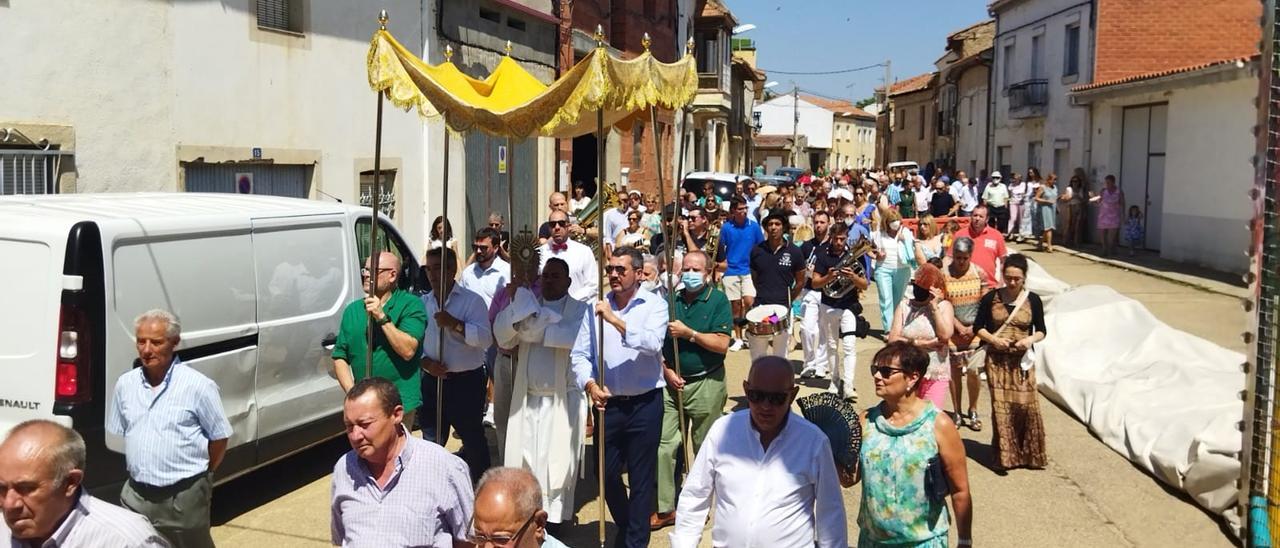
point(736, 345)
point(488, 416)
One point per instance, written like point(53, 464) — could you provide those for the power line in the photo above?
point(821, 73)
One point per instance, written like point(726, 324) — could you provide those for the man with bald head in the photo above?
point(399, 322)
point(764, 449)
point(508, 511)
point(41, 477)
point(558, 202)
point(583, 272)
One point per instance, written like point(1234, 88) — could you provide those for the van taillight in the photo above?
point(72, 382)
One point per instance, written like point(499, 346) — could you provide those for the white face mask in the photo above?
point(895, 225)
point(649, 285)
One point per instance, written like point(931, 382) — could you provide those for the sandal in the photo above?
point(973, 421)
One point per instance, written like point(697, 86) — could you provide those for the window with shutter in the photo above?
point(279, 15)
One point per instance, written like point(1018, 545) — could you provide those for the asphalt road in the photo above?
point(1087, 496)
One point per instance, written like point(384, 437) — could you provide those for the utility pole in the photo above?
point(795, 125)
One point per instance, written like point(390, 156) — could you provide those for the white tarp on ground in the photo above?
point(1166, 399)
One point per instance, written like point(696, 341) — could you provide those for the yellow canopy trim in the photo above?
point(511, 102)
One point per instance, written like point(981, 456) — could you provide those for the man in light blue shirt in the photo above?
point(485, 276)
point(630, 393)
point(175, 434)
point(753, 199)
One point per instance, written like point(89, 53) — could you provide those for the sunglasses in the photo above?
point(554, 224)
point(498, 540)
point(480, 247)
point(884, 371)
point(615, 268)
point(761, 396)
point(495, 225)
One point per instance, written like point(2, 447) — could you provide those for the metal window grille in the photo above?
point(275, 14)
point(27, 171)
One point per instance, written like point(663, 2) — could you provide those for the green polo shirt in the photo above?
point(408, 314)
point(709, 313)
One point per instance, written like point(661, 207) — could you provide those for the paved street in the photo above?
point(1088, 495)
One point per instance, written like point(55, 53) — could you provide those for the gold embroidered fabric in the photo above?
point(511, 102)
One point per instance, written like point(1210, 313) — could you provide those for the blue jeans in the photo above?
point(891, 285)
point(463, 410)
point(633, 430)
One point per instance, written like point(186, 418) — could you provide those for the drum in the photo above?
point(767, 319)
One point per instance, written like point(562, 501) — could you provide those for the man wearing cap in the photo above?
point(778, 272)
point(996, 196)
point(738, 236)
point(769, 472)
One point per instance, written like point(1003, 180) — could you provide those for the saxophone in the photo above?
point(713, 244)
point(842, 285)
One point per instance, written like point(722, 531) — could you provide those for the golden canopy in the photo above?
point(512, 103)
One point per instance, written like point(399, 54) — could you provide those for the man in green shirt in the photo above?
point(400, 320)
point(703, 323)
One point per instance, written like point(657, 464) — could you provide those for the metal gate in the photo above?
point(288, 180)
point(27, 171)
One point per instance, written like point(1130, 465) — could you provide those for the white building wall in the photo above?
point(1207, 168)
point(141, 86)
point(816, 122)
point(1063, 125)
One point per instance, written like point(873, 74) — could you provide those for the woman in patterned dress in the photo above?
point(901, 435)
point(1010, 320)
point(1110, 214)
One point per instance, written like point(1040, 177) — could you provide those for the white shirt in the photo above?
point(461, 353)
point(965, 195)
point(788, 495)
point(92, 523)
point(486, 282)
point(584, 275)
point(614, 221)
point(632, 360)
point(923, 197)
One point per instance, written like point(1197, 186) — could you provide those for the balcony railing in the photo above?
point(1028, 97)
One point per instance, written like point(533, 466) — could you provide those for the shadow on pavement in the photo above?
point(266, 484)
point(984, 454)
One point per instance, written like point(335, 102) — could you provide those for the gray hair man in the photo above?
point(508, 511)
point(175, 433)
point(45, 504)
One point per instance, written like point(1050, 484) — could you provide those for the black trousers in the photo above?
point(999, 218)
point(463, 410)
point(633, 430)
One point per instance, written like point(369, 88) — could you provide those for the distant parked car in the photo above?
point(904, 166)
point(791, 173)
point(726, 183)
point(774, 180)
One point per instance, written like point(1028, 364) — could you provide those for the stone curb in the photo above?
point(1197, 282)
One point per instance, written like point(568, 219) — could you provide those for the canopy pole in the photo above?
point(668, 241)
point(600, 262)
point(373, 228)
point(441, 298)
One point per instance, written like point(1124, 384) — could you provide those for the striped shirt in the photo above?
point(167, 431)
point(964, 292)
point(427, 501)
point(92, 523)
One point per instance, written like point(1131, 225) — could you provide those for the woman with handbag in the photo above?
point(1010, 320)
point(894, 252)
point(911, 459)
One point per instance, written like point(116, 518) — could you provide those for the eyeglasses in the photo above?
point(884, 371)
point(498, 540)
point(481, 248)
point(554, 224)
point(761, 396)
point(365, 271)
point(495, 225)
point(615, 268)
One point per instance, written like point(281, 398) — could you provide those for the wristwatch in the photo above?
point(384, 321)
point(692, 334)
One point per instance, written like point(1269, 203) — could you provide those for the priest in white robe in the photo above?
point(544, 430)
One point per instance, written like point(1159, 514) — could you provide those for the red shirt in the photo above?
point(987, 247)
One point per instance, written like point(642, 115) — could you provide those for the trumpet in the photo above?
point(842, 285)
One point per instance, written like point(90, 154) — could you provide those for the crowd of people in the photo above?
point(525, 356)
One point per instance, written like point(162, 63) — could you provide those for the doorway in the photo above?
point(1142, 155)
point(584, 167)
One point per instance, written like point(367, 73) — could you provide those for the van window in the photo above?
point(410, 278)
point(27, 273)
point(300, 270)
point(206, 279)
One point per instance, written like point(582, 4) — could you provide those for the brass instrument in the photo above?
point(592, 215)
point(712, 245)
point(852, 258)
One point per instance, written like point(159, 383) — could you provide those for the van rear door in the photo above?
point(31, 284)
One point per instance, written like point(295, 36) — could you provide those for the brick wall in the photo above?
point(1140, 36)
point(624, 29)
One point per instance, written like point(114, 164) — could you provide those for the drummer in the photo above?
point(778, 271)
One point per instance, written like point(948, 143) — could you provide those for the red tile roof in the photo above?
point(771, 141)
point(1161, 73)
point(838, 106)
point(914, 83)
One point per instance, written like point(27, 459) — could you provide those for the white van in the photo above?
point(258, 282)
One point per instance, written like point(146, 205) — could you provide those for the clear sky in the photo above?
point(823, 35)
